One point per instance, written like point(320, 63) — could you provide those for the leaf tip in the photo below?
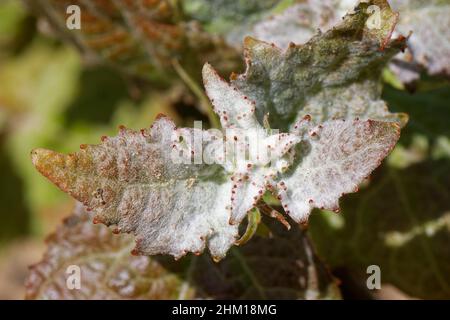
point(44, 159)
point(161, 116)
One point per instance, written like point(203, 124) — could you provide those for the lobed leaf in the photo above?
point(130, 180)
point(175, 207)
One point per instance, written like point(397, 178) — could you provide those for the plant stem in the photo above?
point(198, 92)
point(254, 218)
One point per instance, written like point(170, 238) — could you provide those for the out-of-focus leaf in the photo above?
point(232, 19)
point(429, 44)
point(429, 111)
point(282, 266)
point(401, 222)
point(108, 270)
point(139, 37)
point(334, 75)
point(298, 23)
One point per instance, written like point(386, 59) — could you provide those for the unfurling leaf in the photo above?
point(131, 180)
point(283, 266)
point(181, 204)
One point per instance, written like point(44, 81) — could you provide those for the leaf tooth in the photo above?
point(97, 220)
point(246, 192)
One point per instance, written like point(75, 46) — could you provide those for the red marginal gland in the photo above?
point(97, 220)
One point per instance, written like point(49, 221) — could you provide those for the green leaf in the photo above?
point(333, 75)
point(401, 223)
point(283, 266)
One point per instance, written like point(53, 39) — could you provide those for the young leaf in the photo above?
point(251, 176)
point(334, 75)
point(335, 160)
point(131, 180)
point(175, 207)
point(281, 266)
